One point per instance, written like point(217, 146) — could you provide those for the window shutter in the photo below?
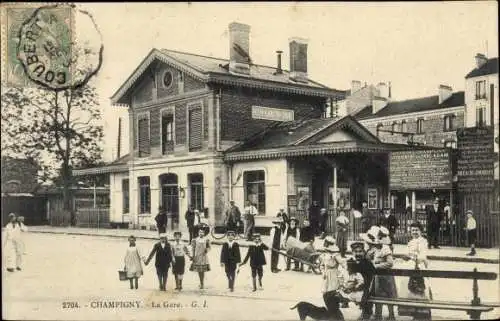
point(144, 148)
point(195, 129)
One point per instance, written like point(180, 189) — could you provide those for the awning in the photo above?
point(101, 170)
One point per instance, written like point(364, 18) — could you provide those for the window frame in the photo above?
point(420, 126)
point(144, 208)
point(190, 106)
point(447, 127)
point(167, 111)
point(194, 188)
point(480, 94)
point(404, 126)
point(481, 110)
point(125, 196)
point(260, 182)
point(141, 116)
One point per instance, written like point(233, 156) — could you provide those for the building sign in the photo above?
point(275, 114)
point(476, 157)
point(420, 169)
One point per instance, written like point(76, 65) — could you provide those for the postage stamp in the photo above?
point(36, 42)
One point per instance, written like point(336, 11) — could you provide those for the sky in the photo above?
point(416, 46)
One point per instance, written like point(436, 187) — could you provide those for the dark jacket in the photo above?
point(233, 215)
point(306, 234)
point(434, 218)
point(314, 212)
point(163, 257)
point(391, 223)
point(276, 238)
point(256, 255)
point(365, 267)
point(161, 220)
point(189, 216)
point(230, 256)
point(285, 218)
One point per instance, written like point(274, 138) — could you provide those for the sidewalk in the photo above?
point(442, 254)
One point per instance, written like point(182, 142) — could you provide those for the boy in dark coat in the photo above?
point(306, 236)
point(163, 259)
point(389, 221)
point(161, 220)
point(230, 257)
point(365, 267)
point(257, 260)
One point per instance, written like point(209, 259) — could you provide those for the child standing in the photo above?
point(353, 287)
point(332, 274)
point(23, 228)
point(257, 260)
point(200, 247)
point(229, 258)
point(133, 265)
point(163, 259)
point(179, 250)
point(342, 224)
point(471, 232)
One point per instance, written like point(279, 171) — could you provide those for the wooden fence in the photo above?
point(93, 217)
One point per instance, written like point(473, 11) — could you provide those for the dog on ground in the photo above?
point(306, 309)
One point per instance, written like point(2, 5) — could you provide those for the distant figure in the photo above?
point(389, 221)
point(323, 222)
point(434, 218)
point(342, 225)
point(285, 219)
point(314, 216)
point(161, 220)
point(306, 236)
point(190, 220)
point(233, 217)
point(367, 219)
point(13, 244)
point(275, 237)
point(24, 229)
point(250, 212)
point(471, 232)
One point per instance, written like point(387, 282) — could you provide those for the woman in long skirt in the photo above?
point(342, 224)
point(200, 247)
point(415, 288)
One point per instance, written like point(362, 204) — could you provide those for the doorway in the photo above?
point(170, 197)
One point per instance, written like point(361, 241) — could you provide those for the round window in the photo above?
point(167, 79)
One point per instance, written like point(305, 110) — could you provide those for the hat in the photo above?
point(230, 232)
point(294, 219)
point(177, 233)
point(357, 245)
point(371, 236)
point(256, 235)
point(131, 237)
point(329, 245)
point(163, 235)
point(468, 212)
point(383, 235)
point(12, 215)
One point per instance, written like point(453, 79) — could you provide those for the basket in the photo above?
point(122, 275)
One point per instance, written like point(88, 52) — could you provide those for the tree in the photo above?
point(61, 129)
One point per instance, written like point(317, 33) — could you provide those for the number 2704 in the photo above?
point(70, 305)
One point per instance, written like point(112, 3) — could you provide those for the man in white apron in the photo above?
point(13, 244)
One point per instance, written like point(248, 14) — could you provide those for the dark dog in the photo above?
point(307, 309)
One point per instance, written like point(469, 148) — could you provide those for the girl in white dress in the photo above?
point(133, 265)
point(333, 274)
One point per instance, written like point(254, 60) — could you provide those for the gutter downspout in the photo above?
point(217, 111)
point(230, 192)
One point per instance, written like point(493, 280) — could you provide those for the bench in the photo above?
point(473, 308)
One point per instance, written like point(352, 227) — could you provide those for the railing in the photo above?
point(451, 231)
point(92, 217)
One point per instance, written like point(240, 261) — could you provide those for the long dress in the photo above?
point(417, 250)
point(342, 223)
point(333, 277)
point(384, 285)
point(133, 265)
point(200, 247)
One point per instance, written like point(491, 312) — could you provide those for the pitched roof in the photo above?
point(413, 106)
point(302, 132)
point(117, 166)
point(210, 69)
point(490, 67)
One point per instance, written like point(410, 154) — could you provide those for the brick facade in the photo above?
point(236, 110)
point(433, 129)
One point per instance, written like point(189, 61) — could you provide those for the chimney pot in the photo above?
point(239, 48)
point(279, 70)
point(383, 90)
point(298, 59)
point(481, 59)
point(445, 92)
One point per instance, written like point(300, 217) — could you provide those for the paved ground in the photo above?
point(442, 254)
point(83, 269)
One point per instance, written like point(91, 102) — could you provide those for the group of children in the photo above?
point(174, 254)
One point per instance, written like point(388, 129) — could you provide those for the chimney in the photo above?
point(383, 90)
point(279, 71)
point(480, 60)
point(378, 103)
point(239, 48)
point(355, 86)
point(390, 90)
point(444, 93)
point(298, 59)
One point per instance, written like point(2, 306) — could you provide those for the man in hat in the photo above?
point(250, 212)
point(314, 216)
point(292, 231)
point(190, 220)
point(229, 258)
point(365, 267)
point(163, 259)
point(367, 218)
point(233, 217)
point(389, 221)
point(161, 220)
point(471, 232)
point(257, 260)
point(323, 221)
point(434, 218)
point(275, 238)
point(283, 216)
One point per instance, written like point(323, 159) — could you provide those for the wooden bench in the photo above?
point(473, 308)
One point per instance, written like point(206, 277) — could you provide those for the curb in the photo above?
point(244, 244)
